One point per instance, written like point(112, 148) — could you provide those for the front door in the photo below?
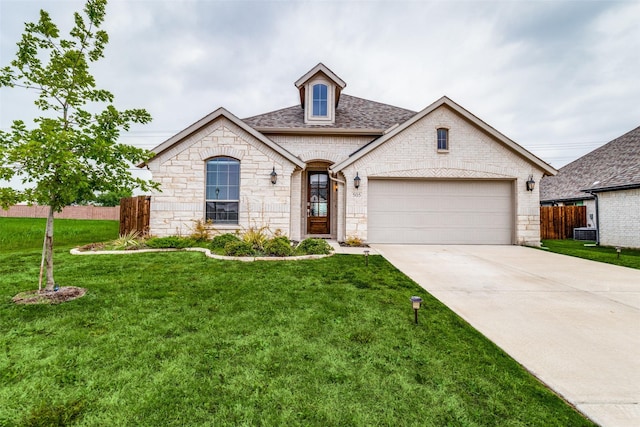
point(318, 203)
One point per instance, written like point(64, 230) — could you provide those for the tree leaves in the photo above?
point(75, 154)
point(71, 153)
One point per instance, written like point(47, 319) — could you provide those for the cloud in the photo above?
point(556, 77)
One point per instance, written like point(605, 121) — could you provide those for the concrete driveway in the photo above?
point(575, 324)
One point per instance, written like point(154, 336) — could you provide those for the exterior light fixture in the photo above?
point(618, 250)
point(356, 181)
point(531, 184)
point(366, 257)
point(415, 303)
point(274, 176)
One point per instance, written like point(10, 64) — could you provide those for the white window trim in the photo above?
point(443, 150)
point(329, 119)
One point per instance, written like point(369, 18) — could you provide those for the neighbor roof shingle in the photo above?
point(614, 165)
point(351, 113)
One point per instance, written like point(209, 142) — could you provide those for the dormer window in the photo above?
point(320, 92)
point(320, 100)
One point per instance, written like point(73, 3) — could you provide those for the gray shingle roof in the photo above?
point(615, 165)
point(351, 113)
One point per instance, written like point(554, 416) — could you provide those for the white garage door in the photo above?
point(440, 212)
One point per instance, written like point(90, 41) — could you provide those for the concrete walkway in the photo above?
point(575, 324)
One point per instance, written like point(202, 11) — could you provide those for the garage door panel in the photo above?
point(440, 212)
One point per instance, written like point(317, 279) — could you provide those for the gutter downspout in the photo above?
point(335, 179)
point(595, 196)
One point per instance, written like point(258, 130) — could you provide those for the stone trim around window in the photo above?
point(442, 139)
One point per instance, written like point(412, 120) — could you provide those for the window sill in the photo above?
point(443, 151)
point(224, 226)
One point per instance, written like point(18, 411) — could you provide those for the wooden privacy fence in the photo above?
point(134, 214)
point(558, 222)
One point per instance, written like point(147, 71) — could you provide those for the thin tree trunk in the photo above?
point(49, 251)
point(44, 246)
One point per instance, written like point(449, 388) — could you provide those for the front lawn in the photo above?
point(588, 250)
point(181, 339)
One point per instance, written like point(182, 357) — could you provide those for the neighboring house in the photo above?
point(337, 166)
point(607, 181)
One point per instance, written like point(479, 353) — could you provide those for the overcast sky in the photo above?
point(558, 77)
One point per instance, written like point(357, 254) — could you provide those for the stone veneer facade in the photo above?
point(412, 153)
point(181, 172)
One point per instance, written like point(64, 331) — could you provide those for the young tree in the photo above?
point(71, 152)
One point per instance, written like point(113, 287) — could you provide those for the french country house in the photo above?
point(337, 166)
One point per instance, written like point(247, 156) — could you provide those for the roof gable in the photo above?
point(320, 68)
point(205, 121)
point(615, 165)
point(548, 169)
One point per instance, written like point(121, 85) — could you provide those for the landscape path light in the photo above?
point(366, 257)
point(618, 250)
point(415, 302)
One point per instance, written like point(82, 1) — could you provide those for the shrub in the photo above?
point(256, 237)
point(239, 248)
point(175, 242)
point(201, 232)
point(221, 240)
point(315, 247)
point(127, 241)
point(353, 241)
point(278, 246)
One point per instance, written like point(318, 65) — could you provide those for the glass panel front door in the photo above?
point(318, 203)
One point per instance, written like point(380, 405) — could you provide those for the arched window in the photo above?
point(222, 190)
point(443, 139)
point(320, 100)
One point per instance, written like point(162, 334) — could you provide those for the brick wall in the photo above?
point(472, 154)
point(620, 218)
point(70, 212)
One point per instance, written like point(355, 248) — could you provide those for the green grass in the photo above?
point(181, 339)
point(28, 233)
point(628, 257)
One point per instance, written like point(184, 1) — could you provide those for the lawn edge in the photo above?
point(205, 251)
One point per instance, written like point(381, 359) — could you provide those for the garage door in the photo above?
point(440, 212)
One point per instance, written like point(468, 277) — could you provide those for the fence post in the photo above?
point(134, 215)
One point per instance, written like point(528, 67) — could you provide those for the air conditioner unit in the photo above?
point(584, 233)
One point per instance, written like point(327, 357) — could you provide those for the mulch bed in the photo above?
point(63, 294)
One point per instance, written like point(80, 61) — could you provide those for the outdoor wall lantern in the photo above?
point(274, 176)
point(356, 181)
point(415, 302)
point(531, 184)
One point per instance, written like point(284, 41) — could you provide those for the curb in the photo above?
point(205, 251)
